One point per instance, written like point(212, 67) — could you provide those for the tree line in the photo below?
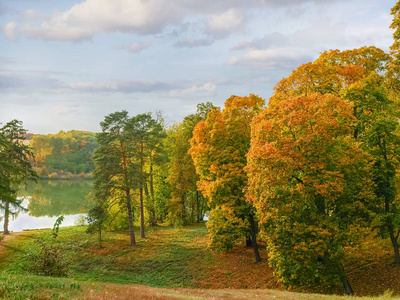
point(64, 152)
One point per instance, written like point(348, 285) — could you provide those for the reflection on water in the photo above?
point(49, 199)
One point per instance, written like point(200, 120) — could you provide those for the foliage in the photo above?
point(65, 151)
point(15, 168)
point(116, 172)
point(311, 184)
point(96, 216)
point(50, 260)
point(128, 150)
point(56, 227)
point(219, 147)
point(186, 205)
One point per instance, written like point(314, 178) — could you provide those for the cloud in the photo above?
point(271, 59)
point(192, 43)
point(226, 23)
point(274, 39)
point(9, 30)
point(32, 14)
point(27, 82)
point(206, 90)
point(44, 82)
point(91, 17)
point(123, 86)
point(66, 109)
point(88, 18)
point(136, 47)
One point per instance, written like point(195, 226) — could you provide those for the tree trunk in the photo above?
point(249, 243)
point(128, 198)
point(347, 287)
point(100, 245)
point(393, 238)
point(198, 206)
point(130, 216)
point(142, 235)
point(346, 284)
point(150, 203)
point(253, 232)
point(6, 217)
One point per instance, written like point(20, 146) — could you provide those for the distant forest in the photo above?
point(64, 153)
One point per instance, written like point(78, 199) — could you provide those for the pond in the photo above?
point(49, 199)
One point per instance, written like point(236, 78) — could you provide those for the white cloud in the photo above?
point(123, 86)
point(271, 59)
point(32, 14)
point(9, 30)
point(136, 47)
point(91, 17)
point(206, 90)
point(88, 18)
point(226, 23)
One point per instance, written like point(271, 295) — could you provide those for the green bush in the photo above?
point(50, 260)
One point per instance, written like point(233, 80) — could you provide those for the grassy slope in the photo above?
point(168, 258)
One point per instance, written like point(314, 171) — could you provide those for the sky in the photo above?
point(66, 64)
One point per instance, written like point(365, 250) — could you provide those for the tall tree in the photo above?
point(366, 77)
point(186, 202)
point(219, 147)
point(145, 135)
point(15, 167)
point(378, 128)
point(310, 182)
point(116, 173)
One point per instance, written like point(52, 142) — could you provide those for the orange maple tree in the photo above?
point(311, 184)
point(219, 147)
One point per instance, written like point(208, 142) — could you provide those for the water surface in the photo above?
point(49, 199)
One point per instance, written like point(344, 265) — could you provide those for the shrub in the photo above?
point(51, 260)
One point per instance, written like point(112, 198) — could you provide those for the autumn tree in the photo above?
point(15, 168)
point(366, 77)
point(219, 147)
point(311, 184)
point(186, 204)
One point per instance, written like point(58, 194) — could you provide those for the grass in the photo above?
point(170, 263)
point(37, 287)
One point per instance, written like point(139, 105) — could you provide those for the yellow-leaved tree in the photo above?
point(219, 147)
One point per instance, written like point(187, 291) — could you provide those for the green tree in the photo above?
point(378, 129)
point(15, 168)
point(145, 136)
point(116, 173)
point(186, 204)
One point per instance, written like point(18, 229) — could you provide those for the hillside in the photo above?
point(175, 261)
